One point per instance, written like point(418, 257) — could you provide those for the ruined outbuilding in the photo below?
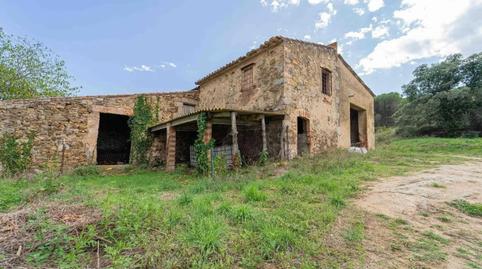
point(287, 98)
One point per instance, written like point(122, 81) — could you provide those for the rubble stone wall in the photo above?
point(224, 90)
point(328, 115)
point(72, 123)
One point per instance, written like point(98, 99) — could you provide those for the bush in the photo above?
point(220, 165)
point(15, 156)
point(85, 171)
point(470, 134)
point(384, 135)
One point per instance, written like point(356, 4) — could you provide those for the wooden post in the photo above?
point(170, 148)
point(236, 158)
point(263, 133)
point(208, 135)
point(234, 133)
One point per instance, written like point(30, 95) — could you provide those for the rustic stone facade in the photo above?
point(73, 122)
point(286, 81)
point(287, 78)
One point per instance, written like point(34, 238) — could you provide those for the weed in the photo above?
point(276, 238)
point(206, 235)
point(433, 236)
point(444, 218)
point(184, 199)
point(438, 185)
point(471, 209)
point(355, 232)
point(252, 193)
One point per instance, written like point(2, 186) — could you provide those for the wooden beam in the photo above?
point(263, 133)
point(234, 133)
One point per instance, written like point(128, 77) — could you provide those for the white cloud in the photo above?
point(325, 17)
point(276, 5)
point(359, 11)
point(323, 20)
point(316, 2)
point(307, 37)
point(141, 68)
point(360, 34)
point(351, 2)
point(374, 5)
point(148, 68)
point(430, 28)
point(380, 31)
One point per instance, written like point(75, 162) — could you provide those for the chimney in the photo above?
point(334, 45)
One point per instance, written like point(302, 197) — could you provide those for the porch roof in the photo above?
point(218, 113)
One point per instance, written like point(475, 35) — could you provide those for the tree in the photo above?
point(29, 69)
point(443, 99)
point(436, 78)
point(385, 106)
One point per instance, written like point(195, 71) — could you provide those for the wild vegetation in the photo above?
point(280, 214)
point(443, 99)
point(28, 69)
point(140, 121)
point(15, 155)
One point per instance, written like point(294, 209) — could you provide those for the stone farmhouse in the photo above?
point(288, 97)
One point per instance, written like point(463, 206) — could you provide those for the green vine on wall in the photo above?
point(202, 149)
point(15, 156)
point(140, 138)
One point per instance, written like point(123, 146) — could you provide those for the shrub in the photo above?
point(220, 165)
point(15, 156)
point(384, 135)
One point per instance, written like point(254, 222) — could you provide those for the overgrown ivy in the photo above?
point(140, 138)
point(202, 149)
point(15, 156)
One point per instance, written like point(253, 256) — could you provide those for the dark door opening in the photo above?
point(302, 130)
point(354, 128)
point(113, 140)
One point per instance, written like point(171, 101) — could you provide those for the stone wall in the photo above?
point(74, 122)
point(328, 115)
point(354, 94)
point(224, 90)
point(287, 79)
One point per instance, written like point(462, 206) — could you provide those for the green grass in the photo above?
point(471, 209)
point(247, 218)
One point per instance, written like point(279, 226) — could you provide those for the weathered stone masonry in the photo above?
point(286, 81)
point(74, 122)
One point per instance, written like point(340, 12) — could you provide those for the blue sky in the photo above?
point(115, 47)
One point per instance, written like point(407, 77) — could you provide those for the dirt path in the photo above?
point(421, 229)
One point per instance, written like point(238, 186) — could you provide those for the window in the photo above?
point(188, 108)
point(325, 81)
point(247, 79)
